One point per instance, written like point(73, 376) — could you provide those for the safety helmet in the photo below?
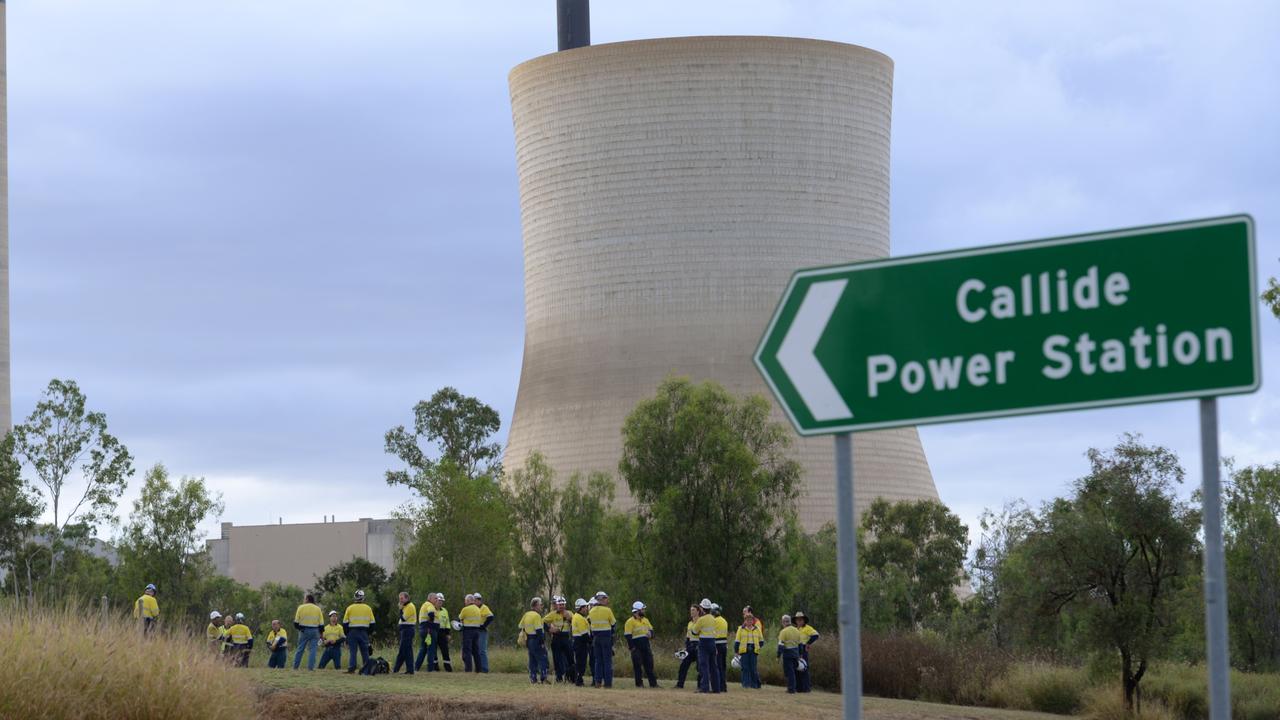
point(715, 608)
point(558, 600)
point(215, 615)
point(456, 625)
point(333, 613)
point(151, 587)
point(602, 595)
point(736, 662)
point(681, 654)
point(441, 596)
point(637, 606)
point(802, 665)
point(579, 603)
point(359, 594)
point(239, 616)
point(799, 615)
point(477, 596)
point(592, 602)
point(706, 604)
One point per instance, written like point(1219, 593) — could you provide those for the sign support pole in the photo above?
point(847, 559)
point(1215, 581)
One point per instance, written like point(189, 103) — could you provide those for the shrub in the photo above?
point(920, 666)
point(1041, 687)
point(1107, 703)
point(60, 665)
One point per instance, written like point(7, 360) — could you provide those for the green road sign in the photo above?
point(1127, 316)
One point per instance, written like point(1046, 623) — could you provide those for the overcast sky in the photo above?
point(256, 233)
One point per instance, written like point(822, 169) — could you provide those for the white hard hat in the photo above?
point(456, 625)
point(558, 600)
point(802, 665)
point(359, 594)
point(215, 615)
point(592, 602)
point(477, 596)
point(441, 596)
point(332, 613)
point(637, 606)
point(682, 654)
point(736, 662)
point(602, 594)
point(706, 604)
point(715, 607)
point(239, 616)
point(579, 603)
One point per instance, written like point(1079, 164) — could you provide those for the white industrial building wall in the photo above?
point(668, 190)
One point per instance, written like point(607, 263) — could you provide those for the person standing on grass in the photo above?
point(690, 647)
point(277, 645)
point(215, 632)
point(307, 619)
point(482, 639)
point(332, 639)
point(406, 626)
point(746, 645)
point(241, 641)
point(639, 634)
point(602, 626)
point(534, 630)
point(804, 679)
point(427, 631)
point(705, 628)
point(146, 609)
point(469, 616)
point(356, 622)
point(789, 641)
point(559, 623)
point(440, 641)
point(227, 621)
point(581, 628)
point(722, 646)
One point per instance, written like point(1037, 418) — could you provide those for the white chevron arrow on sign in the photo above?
point(796, 353)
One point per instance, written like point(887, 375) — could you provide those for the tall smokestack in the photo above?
point(573, 23)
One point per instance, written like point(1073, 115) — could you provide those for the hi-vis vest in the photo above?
point(601, 619)
point(581, 626)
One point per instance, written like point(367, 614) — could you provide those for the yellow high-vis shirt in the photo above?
point(556, 622)
point(470, 617)
point(240, 634)
point(358, 615)
point(277, 639)
point(749, 639)
point(601, 618)
point(309, 615)
point(531, 623)
point(705, 627)
point(790, 637)
point(146, 607)
point(581, 626)
point(722, 630)
point(485, 613)
point(333, 633)
point(409, 614)
point(690, 633)
point(425, 612)
point(213, 633)
point(636, 629)
point(442, 617)
point(808, 632)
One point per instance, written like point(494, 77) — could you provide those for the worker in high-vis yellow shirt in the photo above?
point(215, 632)
point(227, 621)
point(356, 621)
point(471, 621)
point(689, 655)
point(277, 645)
point(307, 620)
point(789, 641)
point(535, 637)
point(441, 630)
point(804, 679)
point(482, 639)
point(241, 641)
point(146, 610)
point(559, 622)
point(332, 638)
point(581, 628)
point(406, 626)
point(428, 627)
point(705, 629)
point(722, 646)
point(639, 634)
point(746, 646)
point(602, 626)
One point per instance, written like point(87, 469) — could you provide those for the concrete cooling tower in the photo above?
point(668, 189)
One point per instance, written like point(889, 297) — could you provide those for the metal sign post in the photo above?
point(1215, 570)
point(847, 565)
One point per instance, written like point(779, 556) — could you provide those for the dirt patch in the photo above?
point(321, 705)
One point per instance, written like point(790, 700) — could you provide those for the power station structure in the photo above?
point(668, 190)
point(6, 399)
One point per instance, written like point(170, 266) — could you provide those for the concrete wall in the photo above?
point(299, 553)
point(668, 189)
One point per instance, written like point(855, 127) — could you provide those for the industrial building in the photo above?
point(299, 553)
point(668, 190)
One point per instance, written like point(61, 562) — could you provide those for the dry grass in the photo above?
point(65, 664)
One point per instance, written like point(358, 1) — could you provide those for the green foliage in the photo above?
point(459, 428)
point(162, 544)
point(715, 490)
point(1271, 296)
point(814, 576)
point(585, 513)
point(336, 589)
point(19, 507)
point(1252, 536)
point(1116, 553)
point(997, 575)
point(278, 601)
point(63, 442)
point(538, 524)
point(911, 555)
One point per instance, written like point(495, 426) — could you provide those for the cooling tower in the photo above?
point(668, 189)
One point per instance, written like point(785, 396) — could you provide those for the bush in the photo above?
point(1107, 703)
point(58, 665)
point(920, 666)
point(1041, 687)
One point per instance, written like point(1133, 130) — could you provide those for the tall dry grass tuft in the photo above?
point(65, 663)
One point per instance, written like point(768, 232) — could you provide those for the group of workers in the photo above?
point(581, 642)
